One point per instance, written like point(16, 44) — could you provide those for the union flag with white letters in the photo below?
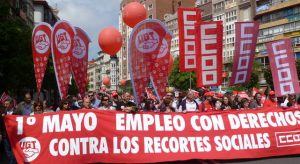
point(41, 49)
point(209, 48)
point(187, 18)
point(62, 48)
point(282, 64)
point(245, 44)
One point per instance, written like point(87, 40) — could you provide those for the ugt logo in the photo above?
point(62, 41)
point(31, 148)
point(147, 40)
point(41, 42)
point(79, 48)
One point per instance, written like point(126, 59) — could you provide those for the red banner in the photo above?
point(245, 44)
point(144, 46)
point(187, 17)
point(90, 136)
point(80, 60)
point(210, 48)
point(282, 62)
point(41, 49)
point(62, 48)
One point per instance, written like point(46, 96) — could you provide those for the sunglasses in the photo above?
point(90, 95)
point(105, 100)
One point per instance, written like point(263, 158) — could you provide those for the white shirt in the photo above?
point(191, 106)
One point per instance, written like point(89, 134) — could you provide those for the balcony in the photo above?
point(244, 3)
point(277, 6)
point(230, 5)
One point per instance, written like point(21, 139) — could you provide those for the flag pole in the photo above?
point(190, 80)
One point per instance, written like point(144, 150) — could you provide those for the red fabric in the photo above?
point(62, 48)
point(208, 107)
point(209, 53)
point(91, 136)
point(80, 60)
point(187, 17)
point(269, 103)
point(159, 72)
point(41, 49)
point(282, 62)
point(245, 44)
point(144, 46)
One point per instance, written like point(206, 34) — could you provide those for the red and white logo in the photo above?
point(284, 139)
point(79, 49)
point(147, 40)
point(42, 42)
point(31, 148)
point(63, 41)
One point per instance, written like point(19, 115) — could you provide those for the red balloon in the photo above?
point(106, 81)
point(110, 40)
point(133, 13)
point(170, 64)
point(122, 82)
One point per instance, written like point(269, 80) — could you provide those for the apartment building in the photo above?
point(43, 12)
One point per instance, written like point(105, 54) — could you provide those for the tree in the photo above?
point(16, 64)
point(181, 80)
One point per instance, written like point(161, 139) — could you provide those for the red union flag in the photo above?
point(282, 62)
point(144, 46)
point(41, 48)
point(209, 61)
point(245, 43)
point(187, 17)
point(62, 48)
point(80, 59)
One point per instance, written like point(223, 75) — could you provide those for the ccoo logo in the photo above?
point(63, 41)
point(41, 42)
point(147, 40)
point(31, 148)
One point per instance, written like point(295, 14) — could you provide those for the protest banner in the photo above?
point(187, 17)
point(282, 62)
point(62, 48)
point(209, 53)
point(80, 59)
point(245, 44)
point(89, 136)
point(41, 49)
point(145, 44)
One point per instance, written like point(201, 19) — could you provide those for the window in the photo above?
point(150, 7)
point(150, 17)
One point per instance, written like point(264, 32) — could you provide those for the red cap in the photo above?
point(271, 93)
point(208, 94)
point(220, 95)
point(114, 94)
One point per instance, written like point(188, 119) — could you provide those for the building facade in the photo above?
point(206, 9)
point(103, 66)
point(156, 9)
point(44, 13)
point(279, 19)
point(23, 9)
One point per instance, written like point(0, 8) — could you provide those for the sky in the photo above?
point(90, 15)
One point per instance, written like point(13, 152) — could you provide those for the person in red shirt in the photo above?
point(271, 101)
point(207, 105)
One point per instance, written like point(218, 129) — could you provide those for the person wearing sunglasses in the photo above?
point(95, 102)
point(105, 104)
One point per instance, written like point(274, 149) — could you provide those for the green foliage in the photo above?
point(16, 64)
point(181, 80)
